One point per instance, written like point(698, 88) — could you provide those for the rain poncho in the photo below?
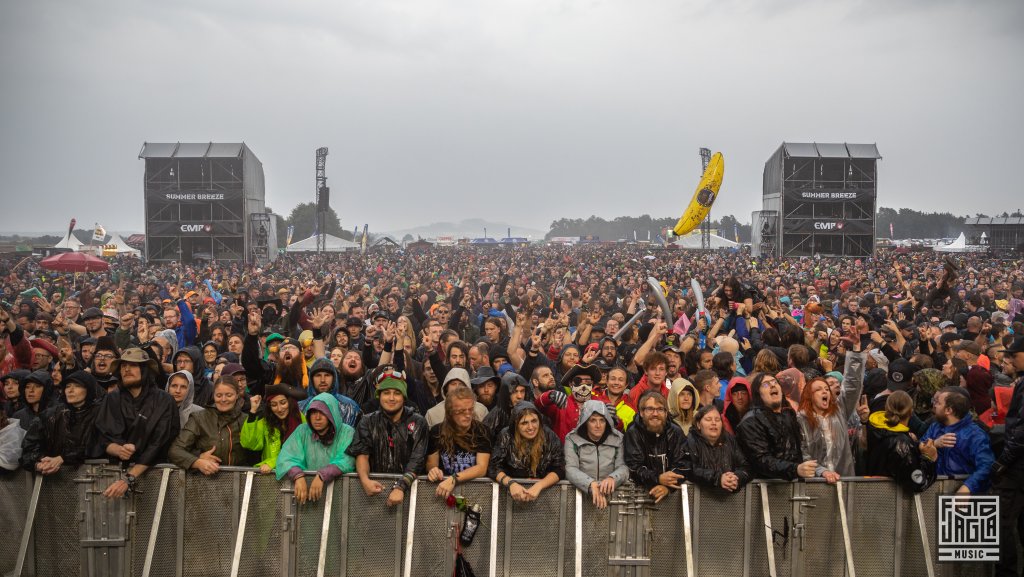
point(306, 451)
point(829, 443)
point(258, 436)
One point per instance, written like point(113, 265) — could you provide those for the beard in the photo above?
point(350, 374)
point(290, 372)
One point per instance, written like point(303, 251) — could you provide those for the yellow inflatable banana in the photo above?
point(705, 196)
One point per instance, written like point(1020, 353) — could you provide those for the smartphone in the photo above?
point(823, 351)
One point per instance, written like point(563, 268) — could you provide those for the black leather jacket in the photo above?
point(648, 454)
point(771, 442)
point(392, 447)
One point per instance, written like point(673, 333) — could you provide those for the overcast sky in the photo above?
point(522, 111)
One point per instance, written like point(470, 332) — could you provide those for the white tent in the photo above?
point(120, 246)
point(693, 241)
point(70, 241)
point(959, 244)
point(331, 244)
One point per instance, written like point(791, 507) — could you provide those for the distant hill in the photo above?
point(469, 228)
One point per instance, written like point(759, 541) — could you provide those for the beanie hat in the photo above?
point(392, 383)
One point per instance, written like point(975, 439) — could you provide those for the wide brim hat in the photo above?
point(484, 374)
point(134, 355)
point(296, 393)
point(590, 370)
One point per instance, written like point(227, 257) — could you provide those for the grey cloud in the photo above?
point(439, 111)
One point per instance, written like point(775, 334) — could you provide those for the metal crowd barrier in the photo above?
point(239, 523)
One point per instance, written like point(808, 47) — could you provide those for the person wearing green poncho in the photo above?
point(268, 429)
point(317, 445)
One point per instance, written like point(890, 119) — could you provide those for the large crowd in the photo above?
point(526, 366)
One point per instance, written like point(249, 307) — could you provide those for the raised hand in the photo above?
point(255, 322)
point(558, 398)
point(254, 403)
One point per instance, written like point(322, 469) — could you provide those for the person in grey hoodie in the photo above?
point(594, 457)
point(182, 389)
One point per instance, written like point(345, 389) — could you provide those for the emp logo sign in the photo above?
point(968, 528)
point(196, 228)
point(828, 226)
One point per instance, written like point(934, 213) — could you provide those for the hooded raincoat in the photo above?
point(588, 461)
point(347, 408)
point(678, 386)
point(731, 417)
point(186, 407)
point(500, 415)
point(203, 394)
point(26, 415)
point(305, 450)
point(64, 430)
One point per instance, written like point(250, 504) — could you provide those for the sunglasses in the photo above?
point(390, 374)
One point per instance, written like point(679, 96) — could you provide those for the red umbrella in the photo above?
point(74, 262)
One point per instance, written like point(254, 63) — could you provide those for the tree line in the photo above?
point(906, 223)
point(623, 227)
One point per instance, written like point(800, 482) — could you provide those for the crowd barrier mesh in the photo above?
point(633, 537)
point(57, 534)
point(15, 493)
point(167, 553)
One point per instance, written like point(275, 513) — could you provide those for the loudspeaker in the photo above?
point(325, 199)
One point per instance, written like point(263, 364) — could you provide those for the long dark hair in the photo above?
point(528, 452)
point(286, 425)
point(451, 439)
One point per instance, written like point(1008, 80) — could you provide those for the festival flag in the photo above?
point(682, 326)
point(891, 233)
point(99, 233)
point(736, 230)
point(355, 233)
point(71, 227)
point(291, 231)
point(365, 234)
